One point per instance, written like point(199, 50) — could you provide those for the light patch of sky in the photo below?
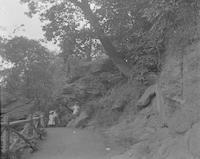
point(13, 22)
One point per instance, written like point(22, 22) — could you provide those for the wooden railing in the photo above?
point(12, 140)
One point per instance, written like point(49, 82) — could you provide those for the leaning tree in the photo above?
point(127, 29)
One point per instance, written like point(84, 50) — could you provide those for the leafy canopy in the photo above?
point(30, 75)
point(136, 29)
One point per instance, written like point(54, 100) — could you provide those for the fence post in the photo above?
point(26, 129)
point(42, 121)
point(34, 127)
point(5, 136)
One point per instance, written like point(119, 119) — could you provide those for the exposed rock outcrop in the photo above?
point(147, 97)
point(180, 80)
point(177, 103)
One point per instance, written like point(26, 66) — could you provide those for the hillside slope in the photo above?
point(170, 130)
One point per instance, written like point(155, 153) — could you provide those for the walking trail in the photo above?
point(63, 143)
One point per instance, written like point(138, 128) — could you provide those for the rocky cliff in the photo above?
point(169, 126)
point(160, 120)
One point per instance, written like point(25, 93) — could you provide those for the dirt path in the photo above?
point(62, 143)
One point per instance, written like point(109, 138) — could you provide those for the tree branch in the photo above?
point(111, 51)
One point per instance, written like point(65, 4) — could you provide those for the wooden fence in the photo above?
point(13, 140)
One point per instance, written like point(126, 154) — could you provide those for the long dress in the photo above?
point(75, 109)
point(52, 118)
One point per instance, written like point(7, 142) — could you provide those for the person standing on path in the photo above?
point(52, 118)
point(75, 109)
point(75, 112)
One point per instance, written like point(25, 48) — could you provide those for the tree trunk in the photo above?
point(89, 51)
point(116, 57)
point(111, 51)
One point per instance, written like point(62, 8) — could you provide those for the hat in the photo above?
point(51, 112)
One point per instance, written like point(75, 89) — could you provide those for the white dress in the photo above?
point(52, 118)
point(75, 109)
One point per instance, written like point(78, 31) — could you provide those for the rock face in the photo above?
point(179, 87)
point(168, 123)
point(147, 96)
point(180, 80)
point(90, 80)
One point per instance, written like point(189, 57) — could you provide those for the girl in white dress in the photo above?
point(75, 109)
point(52, 118)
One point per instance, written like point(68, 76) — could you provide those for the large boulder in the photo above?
point(80, 68)
point(182, 120)
point(86, 87)
point(146, 98)
point(90, 79)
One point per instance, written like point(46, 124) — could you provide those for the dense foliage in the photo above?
point(132, 32)
point(29, 75)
